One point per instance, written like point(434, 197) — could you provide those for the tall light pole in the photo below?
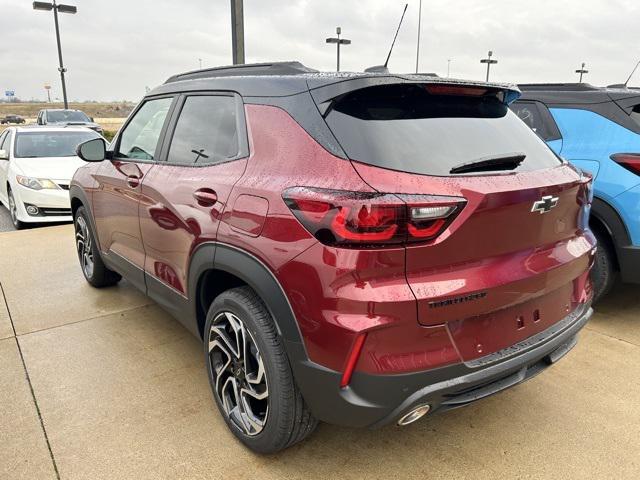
point(237, 31)
point(338, 41)
point(419, 28)
point(489, 61)
point(62, 9)
point(448, 67)
point(582, 71)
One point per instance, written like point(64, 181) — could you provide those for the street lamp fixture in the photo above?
point(338, 41)
point(582, 71)
point(489, 61)
point(47, 6)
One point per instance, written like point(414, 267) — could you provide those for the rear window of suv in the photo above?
point(406, 128)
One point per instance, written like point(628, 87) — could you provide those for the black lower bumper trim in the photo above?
point(375, 400)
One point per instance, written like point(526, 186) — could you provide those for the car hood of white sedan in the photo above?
point(53, 168)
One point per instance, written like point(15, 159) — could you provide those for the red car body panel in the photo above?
point(173, 222)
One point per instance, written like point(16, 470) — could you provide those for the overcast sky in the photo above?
point(113, 49)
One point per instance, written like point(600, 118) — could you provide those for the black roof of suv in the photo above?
point(302, 91)
point(615, 102)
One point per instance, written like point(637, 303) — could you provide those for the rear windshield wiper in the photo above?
point(506, 161)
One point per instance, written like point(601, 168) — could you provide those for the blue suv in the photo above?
point(598, 130)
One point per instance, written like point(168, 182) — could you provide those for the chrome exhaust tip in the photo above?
point(414, 415)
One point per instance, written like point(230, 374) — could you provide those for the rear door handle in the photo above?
point(205, 197)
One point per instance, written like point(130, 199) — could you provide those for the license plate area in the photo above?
point(482, 335)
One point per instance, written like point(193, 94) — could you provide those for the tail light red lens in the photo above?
point(630, 161)
point(371, 219)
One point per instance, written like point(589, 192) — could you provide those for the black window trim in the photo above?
point(241, 126)
point(115, 144)
point(546, 117)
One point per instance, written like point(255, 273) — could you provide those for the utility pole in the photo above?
point(582, 71)
point(200, 62)
point(338, 41)
point(489, 62)
point(237, 31)
point(419, 28)
point(46, 6)
point(448, 67)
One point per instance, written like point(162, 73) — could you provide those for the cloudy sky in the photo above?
point(114, 49)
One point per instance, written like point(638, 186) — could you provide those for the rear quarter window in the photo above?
point(406, 128)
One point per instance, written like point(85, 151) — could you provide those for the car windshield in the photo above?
point(50, 144)
point(66, 116)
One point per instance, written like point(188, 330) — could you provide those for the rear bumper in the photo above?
point(375, 400)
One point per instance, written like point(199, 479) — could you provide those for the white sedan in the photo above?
point(36, 167)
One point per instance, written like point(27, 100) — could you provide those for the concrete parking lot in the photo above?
point(103, 384)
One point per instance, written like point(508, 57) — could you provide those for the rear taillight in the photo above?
point(371, 219)
point(630, 161)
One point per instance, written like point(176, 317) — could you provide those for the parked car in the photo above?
point(61, 117)
point(12, 119)
point(359, 249)
point(36, 166)
point(598, 130)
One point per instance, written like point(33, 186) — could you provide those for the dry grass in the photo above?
point(110, 116)
point(96, 110)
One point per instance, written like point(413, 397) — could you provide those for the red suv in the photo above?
point(352, 248)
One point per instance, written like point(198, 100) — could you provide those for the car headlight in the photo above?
point(37, 183)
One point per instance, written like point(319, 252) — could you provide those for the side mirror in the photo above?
point(4, 155)
point(92, 150)
point(91, 118)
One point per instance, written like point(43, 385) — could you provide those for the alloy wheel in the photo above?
point(240, 379)
point(84, 246)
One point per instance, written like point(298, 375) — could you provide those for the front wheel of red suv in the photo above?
point(93, 268)
point(250, 375)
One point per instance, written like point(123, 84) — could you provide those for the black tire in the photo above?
point(91, 264)
point(285, 418)
point(17, 224)
point(604, 271)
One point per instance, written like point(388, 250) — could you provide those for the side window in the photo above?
point(539, 119)
point(206, 131)
point(140, 137)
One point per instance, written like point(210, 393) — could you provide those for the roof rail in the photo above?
point(570, 87)
point(247, 69)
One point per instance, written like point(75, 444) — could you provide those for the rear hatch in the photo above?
point(513, 260)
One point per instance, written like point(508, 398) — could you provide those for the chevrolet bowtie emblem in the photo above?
point(545, 204)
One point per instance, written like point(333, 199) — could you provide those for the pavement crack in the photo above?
point(33, 393)
point(611, 336)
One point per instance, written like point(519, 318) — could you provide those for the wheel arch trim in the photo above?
point(255, 273)
point(77, 193)
point(612, 221)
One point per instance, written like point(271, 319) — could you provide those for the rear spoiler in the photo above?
point(323, 93)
